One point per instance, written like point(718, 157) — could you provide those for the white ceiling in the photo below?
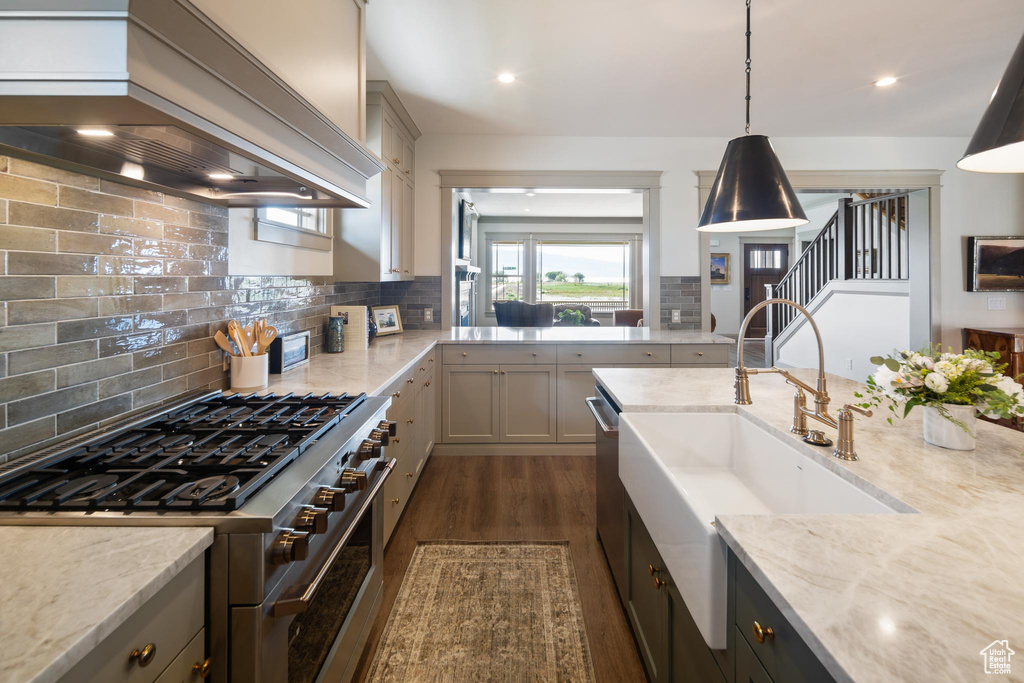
point(573, 205)
point(675, 67)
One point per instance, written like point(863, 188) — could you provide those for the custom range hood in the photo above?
point(154, 94)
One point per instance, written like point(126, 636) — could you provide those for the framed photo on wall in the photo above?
point(388, 320)
point(720, 269)
point(995, 264)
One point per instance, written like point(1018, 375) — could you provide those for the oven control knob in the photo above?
point(312, 519)
point(353, 480)
point(390, 425)
point(290, 546)
point(381, 435)
point(331, 498)
point(370, 448)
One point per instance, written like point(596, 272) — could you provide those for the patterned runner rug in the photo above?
point(486, 611)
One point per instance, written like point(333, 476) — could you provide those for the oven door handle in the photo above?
point(302, 596)
point(609, 432)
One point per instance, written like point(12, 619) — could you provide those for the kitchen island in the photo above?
point(882, 597)
point(68, 592)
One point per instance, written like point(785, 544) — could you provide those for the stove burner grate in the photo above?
point(208, 455)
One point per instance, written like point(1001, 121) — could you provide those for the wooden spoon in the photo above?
point(237, 335)
point(267, 335)
point(223, 343)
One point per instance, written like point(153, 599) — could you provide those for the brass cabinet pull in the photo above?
point(395, 501)
point(406, 270)
point(409, 474)
point(410, 380)
point(495, 372)
point(580, 354)
point(762, 634)
point(409, 420)
point(464, 354)
point(398, 439)
point(503, 372)
point(534, 354)
point(397, 161)
point(427, 383)
point(700, 353)
point(397, 394)
point(651, 570)
point(143, 656)
point(431, 360)
point(202, 669)
point(423, 369)
point(649, 353)
point(658, 583)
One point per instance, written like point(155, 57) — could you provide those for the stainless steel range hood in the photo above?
point(152, 93)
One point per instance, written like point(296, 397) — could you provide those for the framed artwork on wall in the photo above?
point(388, 320)
point(995, 264)
point(720, 269)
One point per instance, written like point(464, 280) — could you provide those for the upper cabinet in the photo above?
point(376, 244)
point(319, 50)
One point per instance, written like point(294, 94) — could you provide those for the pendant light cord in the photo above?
point(748, 67)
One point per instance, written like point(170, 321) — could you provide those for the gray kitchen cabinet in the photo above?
point(671, 645)
point(575, 384)
point(748, 668)
point(376, 243)
point(165, 634)
point(767, 634)
point(402, 447)
point(470, 404)
point(527, 403)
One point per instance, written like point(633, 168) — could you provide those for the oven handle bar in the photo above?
point(609, 432)
point(297, 605)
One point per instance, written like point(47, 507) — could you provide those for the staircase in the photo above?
point(865, 239)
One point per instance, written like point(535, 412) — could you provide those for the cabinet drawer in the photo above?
point(783, 655)
point(168, 621)
point(614, 353)
point(498, 354)
point(700, 354)
point(748, 669)
point(181, 669)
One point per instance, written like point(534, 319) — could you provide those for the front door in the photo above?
point(763, 264)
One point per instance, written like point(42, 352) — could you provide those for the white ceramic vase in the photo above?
point(942, 432)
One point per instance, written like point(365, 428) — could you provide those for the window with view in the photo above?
point(601, 274)
point(593, 274)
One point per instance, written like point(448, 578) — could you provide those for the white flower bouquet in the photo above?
point(943, 382)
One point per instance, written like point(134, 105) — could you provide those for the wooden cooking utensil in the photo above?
point(267, 335)
point(237, 335)
point(223, 343)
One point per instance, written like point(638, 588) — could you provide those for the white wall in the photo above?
point(727, 302)
point(247, 256)
point(972, 203)
point(854, 327)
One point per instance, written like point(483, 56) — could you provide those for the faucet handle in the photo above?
point(857, 409)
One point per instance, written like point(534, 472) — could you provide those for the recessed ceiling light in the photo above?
point(95, 132)
point(220, 176)
point(525, 209)
point(507, 77)
point(531, 194)
point(886, 82)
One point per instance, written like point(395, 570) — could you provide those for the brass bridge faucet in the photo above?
point(843, 422)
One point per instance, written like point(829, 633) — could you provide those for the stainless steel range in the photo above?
point(290, 485)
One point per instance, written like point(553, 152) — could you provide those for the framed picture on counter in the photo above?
point(388, 320)
point(995, 264)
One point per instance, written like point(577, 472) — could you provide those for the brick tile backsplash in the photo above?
point(683, 293)
point(110, 295)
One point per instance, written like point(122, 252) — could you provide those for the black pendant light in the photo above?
point(998, 143)
point(751, 191)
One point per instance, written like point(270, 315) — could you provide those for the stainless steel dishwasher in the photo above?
point(611, 495)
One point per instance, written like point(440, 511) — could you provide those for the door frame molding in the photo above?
point(647, 183)
point(925, 325)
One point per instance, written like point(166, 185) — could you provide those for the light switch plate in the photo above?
point(997, 303)
point(849, 364)
point(428, 315)
point(675, 315)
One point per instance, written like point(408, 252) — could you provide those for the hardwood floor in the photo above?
point(516, 498)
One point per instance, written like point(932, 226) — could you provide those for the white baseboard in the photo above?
point(514, 449)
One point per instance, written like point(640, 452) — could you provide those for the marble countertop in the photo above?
point(371, 370)
point(64, 589)
point(906, 597)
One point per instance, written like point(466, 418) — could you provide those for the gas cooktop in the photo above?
point(209, 455)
